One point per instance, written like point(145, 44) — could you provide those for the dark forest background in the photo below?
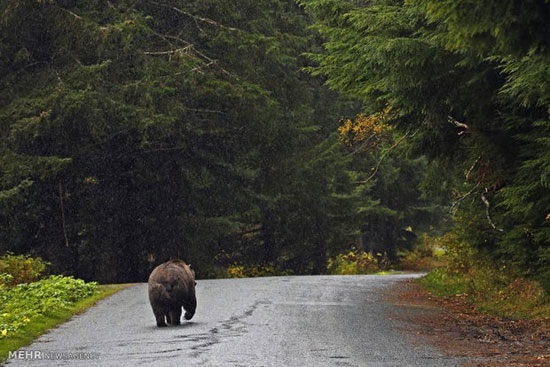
point(271, 132)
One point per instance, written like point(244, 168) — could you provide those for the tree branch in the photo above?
point(188, 46)
point(375, 169)
point(468, 174)
point(169, 52)
point(487, 206)
point(457, 202)
point(458, 124)
point(195, 17)
point(76, 16)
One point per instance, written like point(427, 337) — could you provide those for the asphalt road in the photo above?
point(281, 321)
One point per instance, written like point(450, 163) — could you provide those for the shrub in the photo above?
point(21, 269)
point(255, 270)
point(428, 253)
point(461, 256)
point(357, 263)
point(24, 302)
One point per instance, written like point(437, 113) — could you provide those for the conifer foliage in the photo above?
point(137, 131)
point(132, 132)
point(471, 79)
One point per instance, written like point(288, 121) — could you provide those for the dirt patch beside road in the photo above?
point(457, 328)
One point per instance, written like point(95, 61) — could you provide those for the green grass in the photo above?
point(492, 292)
point(442, 284)
point(389, 272)
point(43, 323)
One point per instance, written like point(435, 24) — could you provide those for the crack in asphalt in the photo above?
point(233, 327)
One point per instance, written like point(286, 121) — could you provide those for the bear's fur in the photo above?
point(171, 287)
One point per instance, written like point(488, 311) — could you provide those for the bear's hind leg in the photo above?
point(175, 315)
point(159, 316)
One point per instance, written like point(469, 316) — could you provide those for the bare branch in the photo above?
point(76, 16)
point(202, 110)
point(375, 169)
point(169, 52)
point(487, 206)
point(70, 12)
point(167, 37)
point(364, 144)
point(458, 124)
point(195, 17)
point(457, 202)
point(468, 174)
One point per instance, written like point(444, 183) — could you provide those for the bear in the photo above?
point(172, 286)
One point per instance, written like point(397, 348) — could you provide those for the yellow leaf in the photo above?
point(4, 332)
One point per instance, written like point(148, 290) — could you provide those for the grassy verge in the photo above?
point(49, 320)
point(492, 291)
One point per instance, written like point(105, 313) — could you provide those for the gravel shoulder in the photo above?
point(459, 330)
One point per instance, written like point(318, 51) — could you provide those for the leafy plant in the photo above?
point(256, 270)
point(24, 302)
point(16, 269)
point(428, 253)
point(360, 262)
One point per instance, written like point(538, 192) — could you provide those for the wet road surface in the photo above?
point(280, 321)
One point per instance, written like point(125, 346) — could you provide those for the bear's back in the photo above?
point(175, 276)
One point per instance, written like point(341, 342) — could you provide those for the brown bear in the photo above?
point(171, 287)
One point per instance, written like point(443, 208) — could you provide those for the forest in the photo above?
point(273, 133)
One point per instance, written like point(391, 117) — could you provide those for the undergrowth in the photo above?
point(31, 303)
point(358, 262)
point(24, 302)
point(238, 270)
point(50, 319)
point(494, 288)
point(428, 253)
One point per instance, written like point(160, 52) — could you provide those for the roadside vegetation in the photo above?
point(426, 254)
point(493, 287)
point(492, 290)
point(31, 302)
point(358, 262)
point(237, 270)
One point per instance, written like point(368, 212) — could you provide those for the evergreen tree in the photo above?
point(133, 132)
point(472, 79)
